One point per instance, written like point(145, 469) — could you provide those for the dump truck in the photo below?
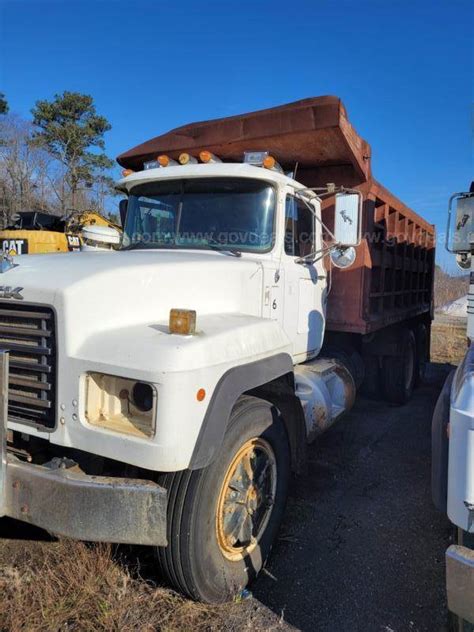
point(453, 431)
point(163, 394)
point(38, 232)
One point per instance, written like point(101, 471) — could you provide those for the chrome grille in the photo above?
point(28, 332)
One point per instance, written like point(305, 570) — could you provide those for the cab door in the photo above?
point(305, 283)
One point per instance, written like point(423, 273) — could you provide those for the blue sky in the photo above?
point(404, 70)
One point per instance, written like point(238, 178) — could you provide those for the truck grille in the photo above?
point(28, 332)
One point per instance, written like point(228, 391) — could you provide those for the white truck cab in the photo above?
point(161, 393)
point(453, 430)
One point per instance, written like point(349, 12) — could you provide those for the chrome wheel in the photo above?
point(246, 499)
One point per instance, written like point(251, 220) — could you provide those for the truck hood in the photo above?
point(107, 290)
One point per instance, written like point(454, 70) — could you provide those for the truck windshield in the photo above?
point(208, 213)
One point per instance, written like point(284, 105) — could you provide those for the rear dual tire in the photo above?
point(395, 376)
point(223, 520)
point(398, 372)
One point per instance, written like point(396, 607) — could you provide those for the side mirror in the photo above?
point(461, 206)
point(123, 211)
point(348, 207)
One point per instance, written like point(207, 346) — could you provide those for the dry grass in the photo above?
point(69, 586)
point(448, 341)
point(448, 288)
point(448, 334)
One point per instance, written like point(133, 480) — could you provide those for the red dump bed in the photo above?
point(392, 279)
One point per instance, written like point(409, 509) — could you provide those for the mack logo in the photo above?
point(11, 292)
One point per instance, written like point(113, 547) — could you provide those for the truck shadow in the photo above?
point(15, 530)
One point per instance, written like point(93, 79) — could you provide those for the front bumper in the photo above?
point(73, 504)
point(460, 581)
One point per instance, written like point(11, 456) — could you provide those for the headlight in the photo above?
point(121, 405)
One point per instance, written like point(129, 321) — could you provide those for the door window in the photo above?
point(299, 228)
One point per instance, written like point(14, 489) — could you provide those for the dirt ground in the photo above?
point(361, 548)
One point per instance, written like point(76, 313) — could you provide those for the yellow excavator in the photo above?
point(36, 232)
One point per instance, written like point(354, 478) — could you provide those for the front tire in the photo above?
point(222, 520)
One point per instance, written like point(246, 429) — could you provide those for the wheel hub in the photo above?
point(246, 499)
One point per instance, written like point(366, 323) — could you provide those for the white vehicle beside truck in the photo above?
point(164, 392)
point(453, 431)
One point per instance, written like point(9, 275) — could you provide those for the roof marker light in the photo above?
point(127, 172)
point(166, 161)
point(207, 156)
point(187, 159)
point(270, 163)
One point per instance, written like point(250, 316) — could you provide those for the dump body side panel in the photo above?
point(392, 278)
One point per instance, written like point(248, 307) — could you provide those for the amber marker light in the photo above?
point(207, 156)
point(200, 395)
point(127, 172)
point(269, 162)
point(186, 159)
point(182, 322)
point(163, 160)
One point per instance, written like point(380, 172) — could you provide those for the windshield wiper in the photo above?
point(215, 245)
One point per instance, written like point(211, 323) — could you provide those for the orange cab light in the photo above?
point(207, 156)
point(163, 160)
point(200, 395)
point(269, 162)
point(127, 172)
point(186, 159)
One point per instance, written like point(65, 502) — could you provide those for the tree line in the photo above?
point(54, 162)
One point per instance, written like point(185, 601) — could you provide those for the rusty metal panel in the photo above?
point(392, 278)
point(313, 133)
point(93, 508)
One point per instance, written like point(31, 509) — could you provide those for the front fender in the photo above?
point(232, 384)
